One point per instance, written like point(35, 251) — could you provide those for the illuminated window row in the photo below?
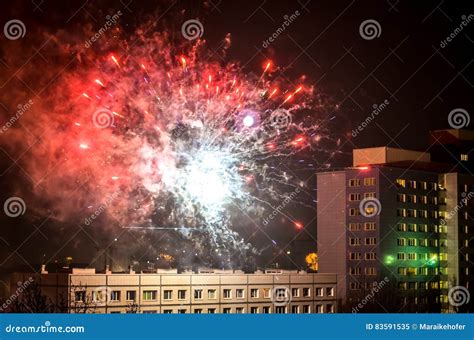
point(354, 197)
point(367, 256)
point(367, 271)
point(357, 182)
point(413, 242)
point(357, 241)
point(358, 226)
point(412, 184)
point(414, 213)
point(404, 198)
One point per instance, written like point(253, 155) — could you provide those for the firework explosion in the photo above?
point(172, 139)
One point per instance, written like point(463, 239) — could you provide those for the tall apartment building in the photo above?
point(397, 219)
point(167, 291)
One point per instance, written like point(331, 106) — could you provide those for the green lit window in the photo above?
point(402, 227)
point(401, 256)
point(402, 242)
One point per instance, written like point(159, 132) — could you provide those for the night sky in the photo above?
point(407, 65)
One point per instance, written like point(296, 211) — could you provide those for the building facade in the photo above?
point(210, 291)
point(396, 218)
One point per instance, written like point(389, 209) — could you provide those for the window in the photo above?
point(329, 291)
point(412, 256)
point(401, 198)
point(226, 311)
point(369, 181)
point(423, 242)
point(412, 227)
point(354, 271)
point(402, 227)
point(319, 309)
point(167, 311)
point(464, 157)
point(150, 311)
point(412, 242)
point(197, 311)
point(355, 256)
point(306, 292)
point(354, 241)
point(167, 295)
point(198, 294)
point(149, 295)
point(354, 182)
point(401, 242)
point(411, 198)
point(266, 310)
point(370, 271)
point(329, 308)
point(254, 293)
point(211, 294)
point(354, 197)
point(115, 295)
point(401, 212)
point(411, 271)
point(319, 292)
point(181, 294)
point(401, 256)
point(354, 212)
point(369, 226)
point(80, 296)
point(295, 309)
point(253, 310)
point(422, 228)
point(266, 292)
point(354, 226)
point(211, 311)
point(354, 285)
point(370, 256)
point(306, 309)
point(369, 195)
point(239, 294)
point(227, 294)
point(280, 309)
point(131, 295)
point(182, 311)
point(295, 292)
point(370, 241)
point(402, 271)
point(413, 184)
point(401, 183)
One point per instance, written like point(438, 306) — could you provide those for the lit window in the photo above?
point(401, 242)
point(369, 181)
point(354, 197)
point(464, 157)
point(354, 182)
point(370, 256)
point(401, 183)
point(149, 295)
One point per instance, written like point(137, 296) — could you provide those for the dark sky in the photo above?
point(405, 66)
